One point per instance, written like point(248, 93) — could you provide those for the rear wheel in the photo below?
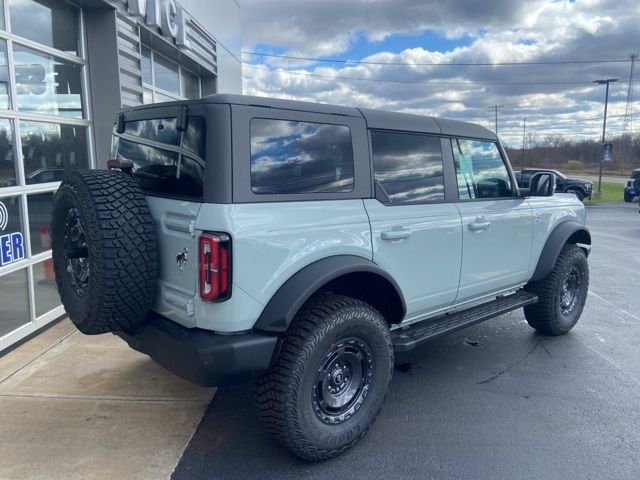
point(628, 197)
point(330, 379)
point(561, 295)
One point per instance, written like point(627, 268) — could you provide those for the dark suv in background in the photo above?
point(579, 187)
point(632, 186)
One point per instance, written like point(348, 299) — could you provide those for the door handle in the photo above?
point(396, 233)
point(479, 224)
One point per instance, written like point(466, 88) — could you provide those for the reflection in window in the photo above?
point(53, 23)
point(48, 149)
point(408, 167)
point(481, 172)
point(300, 157)
point(7, 163)
point(39, 207)
point(145, 65)
point(15, 301)
point(158, 171)
point(46, 293)
point(13, 208)
point(4, 75)
point(45, 84)
point(161, 130)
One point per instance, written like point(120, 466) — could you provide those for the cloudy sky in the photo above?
point(413, 56)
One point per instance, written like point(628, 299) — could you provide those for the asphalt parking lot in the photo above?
point(493, 401)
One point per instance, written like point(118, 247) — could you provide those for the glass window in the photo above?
point(300, 157)
point(39, 206)
point(49, 148)
point(161, 130)
point(194, 137)
point(7, 157)
point(190, 85)
point(4, 75)
point(480, 170)
point(45, 84)
point(15, 301)
point(46, 293)
point(2, 24)
point(145, 65)
point(158, 171)
point(408, 167)
point(166, 74)
point(51, 22)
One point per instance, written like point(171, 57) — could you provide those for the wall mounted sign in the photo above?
point(11, 244)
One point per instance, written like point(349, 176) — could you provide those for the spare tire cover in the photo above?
point(104, 251)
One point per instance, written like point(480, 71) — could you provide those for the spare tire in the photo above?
point(104, 251)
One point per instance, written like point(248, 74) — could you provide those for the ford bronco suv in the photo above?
point(577, 186)
point(301, 245)
point(632, 186)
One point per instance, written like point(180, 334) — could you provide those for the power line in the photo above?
point(436, 64)
point(412, 82)
point(495, 108)
point(628, 115)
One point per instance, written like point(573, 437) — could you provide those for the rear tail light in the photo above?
point(215, 266)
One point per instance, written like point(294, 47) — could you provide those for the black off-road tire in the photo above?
point(288, 398)
point(628, 197)
point(554, 314)
point(103, 218)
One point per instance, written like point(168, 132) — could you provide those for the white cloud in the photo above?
point(501, 31)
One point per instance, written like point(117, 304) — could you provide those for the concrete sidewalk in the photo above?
point(88, 407)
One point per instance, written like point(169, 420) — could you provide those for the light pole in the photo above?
point(606, 82)
point(524, 134)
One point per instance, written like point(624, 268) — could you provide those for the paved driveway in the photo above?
point(517, 405)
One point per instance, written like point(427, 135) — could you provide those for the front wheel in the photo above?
point(561, 295)
point(330, 379)
point(628, 197)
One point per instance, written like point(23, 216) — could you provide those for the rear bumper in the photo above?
point(201, 356)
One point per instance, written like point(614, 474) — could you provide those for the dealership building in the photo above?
point(65, 68)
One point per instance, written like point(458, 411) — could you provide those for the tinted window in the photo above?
point(300, 157)
point(159, 169)
point(408, 167)
point(480, 170)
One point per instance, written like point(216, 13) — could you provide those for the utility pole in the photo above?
point(524, 133)
point(495, 108)
point(606, 82)
point(628, 111)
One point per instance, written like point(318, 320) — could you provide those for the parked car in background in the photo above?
point(632, 186)
point(579, 187)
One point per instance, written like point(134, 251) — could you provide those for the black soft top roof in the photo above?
point(380, 119)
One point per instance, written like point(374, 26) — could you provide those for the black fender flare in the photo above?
point(292, 294)
point(558, 238)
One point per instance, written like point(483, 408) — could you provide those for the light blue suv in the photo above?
point(301, 245)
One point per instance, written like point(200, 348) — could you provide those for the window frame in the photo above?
point(515, 193)
point(241, 144)
point(447, 164)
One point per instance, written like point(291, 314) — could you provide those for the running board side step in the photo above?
point(408, 338)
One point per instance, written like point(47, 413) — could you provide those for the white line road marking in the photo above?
point(616, 307)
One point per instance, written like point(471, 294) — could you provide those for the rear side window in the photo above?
point(165, 161)
point(408, 167)
point(480, 170)
point(292, 157)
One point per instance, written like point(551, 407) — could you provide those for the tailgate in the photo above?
point(177, 249)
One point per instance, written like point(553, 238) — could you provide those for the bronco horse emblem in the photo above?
point(182, 257)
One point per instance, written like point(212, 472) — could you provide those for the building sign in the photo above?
point(168, 16)
point(11, 244)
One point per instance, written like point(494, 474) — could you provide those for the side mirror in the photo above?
point(542, 184)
